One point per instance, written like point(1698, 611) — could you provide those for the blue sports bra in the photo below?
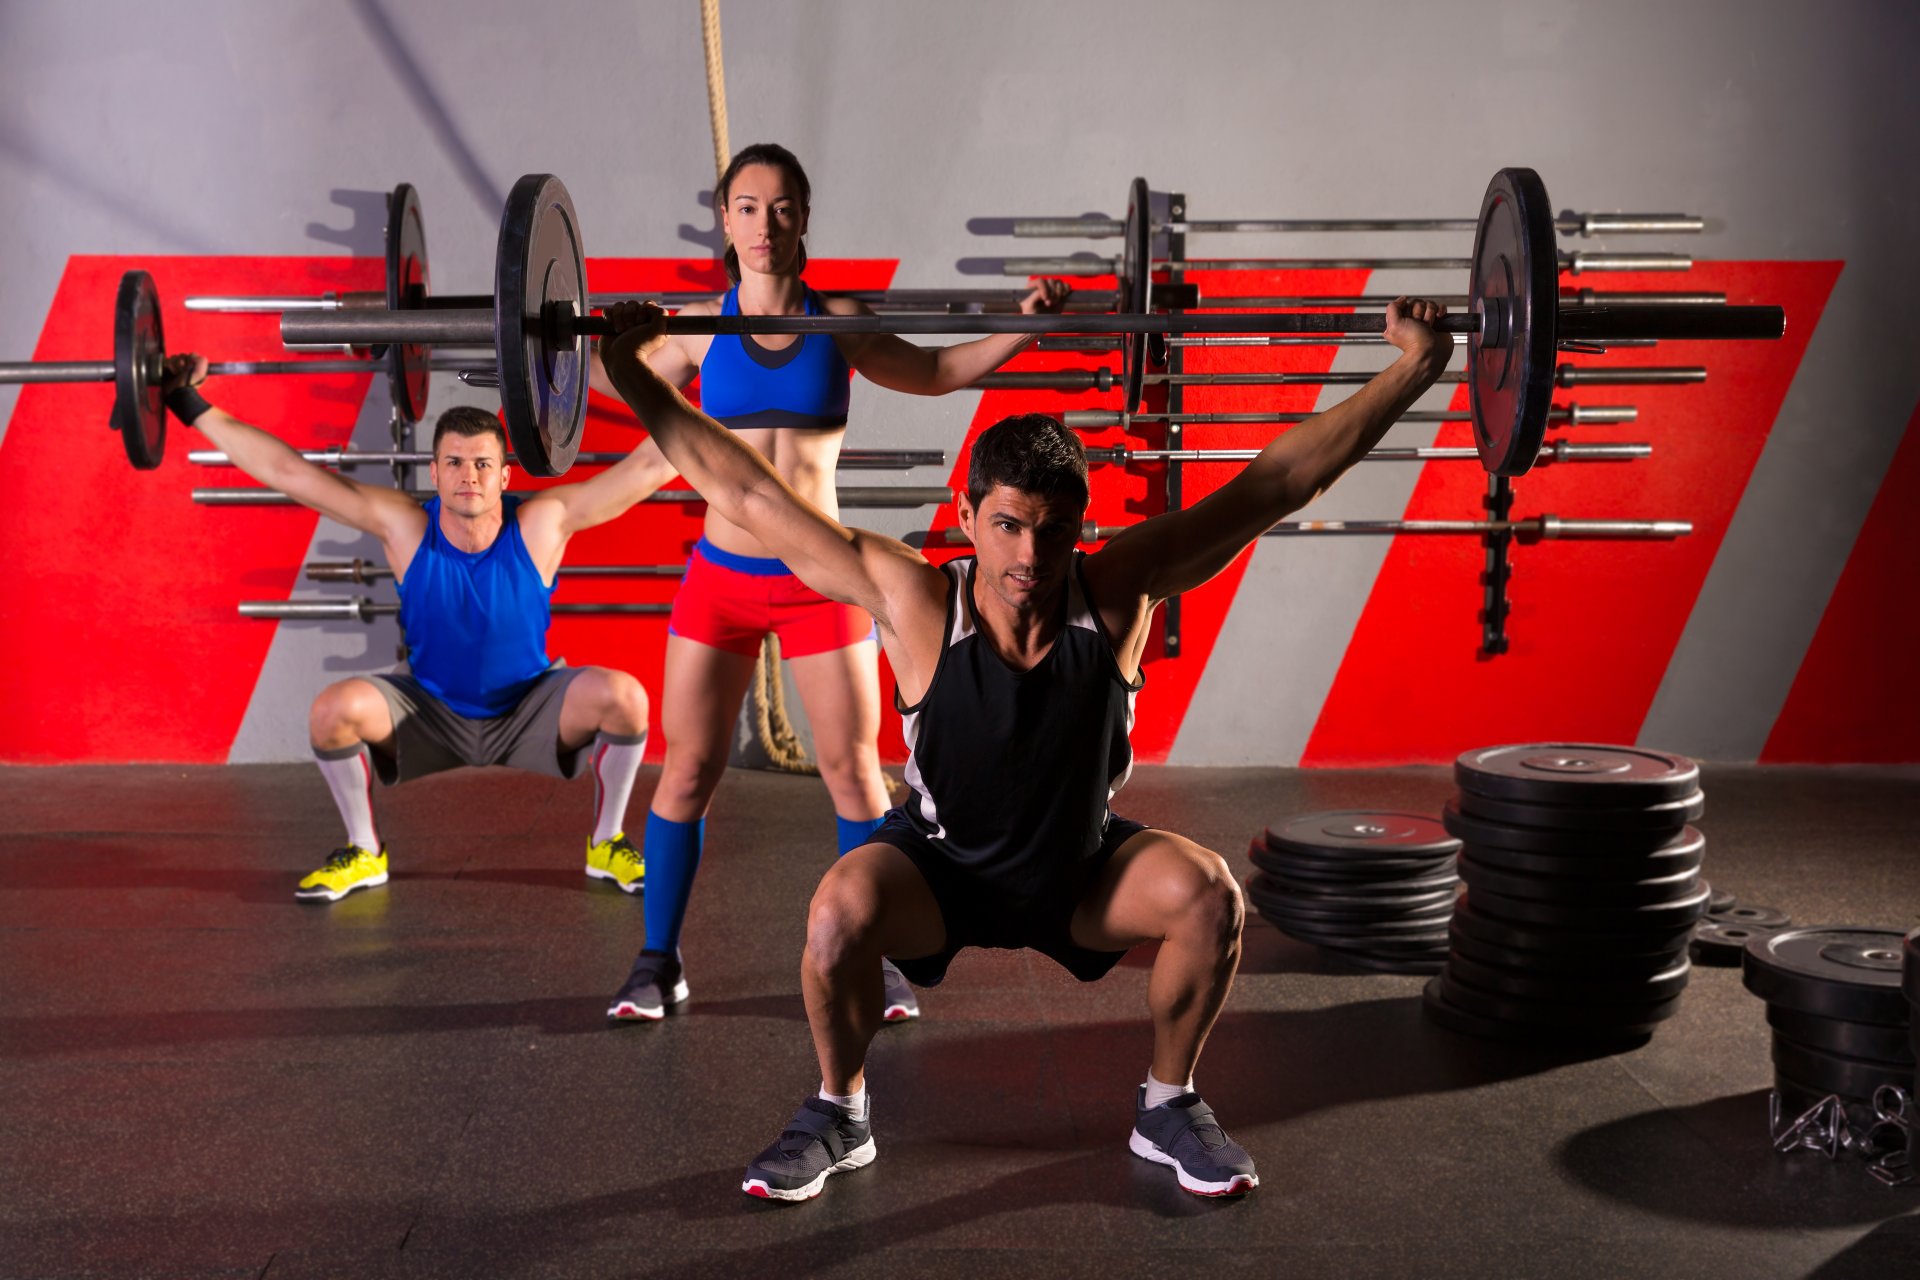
point(742, 384)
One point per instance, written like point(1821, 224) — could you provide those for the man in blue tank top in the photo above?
point(1016, 674)
point(475, 570)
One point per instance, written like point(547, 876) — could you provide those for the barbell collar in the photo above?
point(878, 497)
point(1582, 224)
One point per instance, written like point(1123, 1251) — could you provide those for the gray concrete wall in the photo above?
point(224, 127)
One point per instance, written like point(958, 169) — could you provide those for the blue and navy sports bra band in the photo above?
point(756, 566)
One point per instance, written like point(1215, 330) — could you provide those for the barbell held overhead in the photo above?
point(1531, 529)
point(1567, 375)
point(366, 609)
point(369, 572)
point(848, 460)
point(876, 497)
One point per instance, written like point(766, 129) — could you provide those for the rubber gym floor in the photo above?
point(201, 1077)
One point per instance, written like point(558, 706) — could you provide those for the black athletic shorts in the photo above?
point(977, 914)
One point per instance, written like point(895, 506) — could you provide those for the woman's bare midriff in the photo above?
point(805, 459)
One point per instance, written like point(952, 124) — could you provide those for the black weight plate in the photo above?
point(1721, 943)
point(1553, 1013)
point(1681, 913)
point(1350, 868)
point(1836, 971)
point(1415, 964)
point(1669, 816)
point(1524, 984)
point(1577, 773)
point(1450, 1017)
point(1136, 280)
point(1430, 921)
point(1836, 1073)
point(1590, 965)
point(1630, 942)
point(1759, 919)
point(139, 359)
point(1910, 969)
point(1850, 1039)
point(1515, 292)
point(1721, 901)
point(540, 272)
point(1366, 890)
point(407, 290)
point(1610, 893)
point(1361, 835)
point(1672, 860)
point(1561, 843)
point(1377, 906)
point(1426, 939)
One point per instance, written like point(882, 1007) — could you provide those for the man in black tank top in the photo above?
point(1017, 670)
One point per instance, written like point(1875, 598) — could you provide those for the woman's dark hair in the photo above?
point(771, 153)
point(1033, 453)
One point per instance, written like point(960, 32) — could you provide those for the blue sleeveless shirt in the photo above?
point(742, 384)
point(476, 621)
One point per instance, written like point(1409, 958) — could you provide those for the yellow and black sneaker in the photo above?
point(346, 870)
point(617, 860)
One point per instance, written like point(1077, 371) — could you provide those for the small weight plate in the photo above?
point(1680, 913)
point(1451, 1017)
point(1836, 1073)
point(1721, 943)
point(1577, 773)
point(1670, 816)
point(1628, 942)
point(1721, 901)
point(1836, 971)
point(1677, 857)
point(1652, 989)
point(1836, 1035)
point(1136, 280)
point(1599, 893)
point(1554, 1013)
point(139, 365)
point(1362, 835)
point(1563, 843)
point(1591, 965)
point(1515, 293)
point(1759, 919)
point(407, 290)
point(540, 273)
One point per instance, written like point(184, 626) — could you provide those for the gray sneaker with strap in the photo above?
point(820, 1140)
point(1182, 1134)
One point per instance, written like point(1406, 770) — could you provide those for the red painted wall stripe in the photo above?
point(1594, 624)
point(1856, 699)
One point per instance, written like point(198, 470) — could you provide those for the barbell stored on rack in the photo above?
point(1515, 325)
point(1081, 264)
point(878, 497)
point(1528, 530)
point(1578, 415)
point(1550, 451)
point(366, 609)
point(1586, 225)
point(1567, 375)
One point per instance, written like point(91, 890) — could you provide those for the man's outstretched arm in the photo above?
point(1179, 551)
point(853, 566)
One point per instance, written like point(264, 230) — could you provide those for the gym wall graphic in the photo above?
point(124, 641)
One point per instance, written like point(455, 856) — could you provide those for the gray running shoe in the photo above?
point(1183, 1134)
point(821, 1139)
point(657, 981)
point(900, 1003)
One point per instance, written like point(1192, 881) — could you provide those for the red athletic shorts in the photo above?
point(730, 601)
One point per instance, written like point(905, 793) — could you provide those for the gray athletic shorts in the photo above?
point(431, 737)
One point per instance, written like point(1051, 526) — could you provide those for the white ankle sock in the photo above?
point(616, 759)
point(349, 775)
point(853, 1103)
point(1158, 1093)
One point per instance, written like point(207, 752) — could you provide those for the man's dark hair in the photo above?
point(769, 153)
point(1031, 452)
point(466, 420)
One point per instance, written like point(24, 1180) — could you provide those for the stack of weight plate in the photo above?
point(1841, 1022)
point(1377, 888)
point(1583, 888)
point(1910, 984)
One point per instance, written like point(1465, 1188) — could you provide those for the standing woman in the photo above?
point(786, 396)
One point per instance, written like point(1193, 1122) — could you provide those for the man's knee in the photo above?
point(343, 709)
point(842, 917)
point(1215, 908)
point(623, 702)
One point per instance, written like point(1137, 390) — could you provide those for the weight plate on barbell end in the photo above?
point(408, 286)
point(1650, 891)
point(1684, 854)
point(1577, 774)
point(139, 360)
point(1758, 919)
point(1587, 964)
point(1555, 1013)
point(1515, 292)
point(1668, 817)
point(1837, 1035)
point(1910, 972)
point(1569, 842)
point(1680, 913)
point(540, 272)
point(1721, 901)
point(1522, 984)
point(1837, 1073)
point(1136, 280)
point(1362, 835)
point(1720, 942)
point(1554, 939)
point(1836, 971)
point(1450, 1017)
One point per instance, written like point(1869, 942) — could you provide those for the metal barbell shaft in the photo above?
point(365, 609)
point(1583, 224)
point(1568, 375)
point(1578, 415)
point(1576, 263)
point(849, 460)
point(368, 572)
point(883, 497)
point(34, 372)
point(1536, 527)
point(1551, 451)
point(910, 300)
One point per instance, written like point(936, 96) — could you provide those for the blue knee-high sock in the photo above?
point(853, 832)
point(673, 856)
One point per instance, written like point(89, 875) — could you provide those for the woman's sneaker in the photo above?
point(900, 1003)
point(821, 1139)
point(657, 981)
point(1183, 1134)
